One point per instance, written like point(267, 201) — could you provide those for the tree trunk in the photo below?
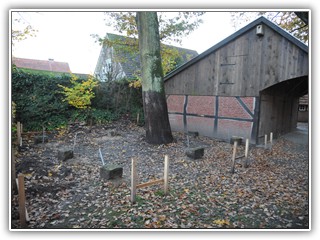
point(157, 124)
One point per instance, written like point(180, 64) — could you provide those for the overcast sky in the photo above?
point(65, 37)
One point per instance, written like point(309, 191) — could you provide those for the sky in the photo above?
point(65, 36)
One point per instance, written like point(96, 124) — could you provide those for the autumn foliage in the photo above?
point(81, 92)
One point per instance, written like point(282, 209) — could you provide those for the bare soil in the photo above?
point(272, 193)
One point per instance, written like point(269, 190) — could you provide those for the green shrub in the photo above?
point(101, 116)
point(39, 101)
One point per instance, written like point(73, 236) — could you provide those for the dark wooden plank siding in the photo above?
point(242, 67)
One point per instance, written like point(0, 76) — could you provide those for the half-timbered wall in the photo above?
point(213, 116)
point(247, 85)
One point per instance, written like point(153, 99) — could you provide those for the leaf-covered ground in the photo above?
point(272, 193)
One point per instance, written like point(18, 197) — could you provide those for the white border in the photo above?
point(276, 4)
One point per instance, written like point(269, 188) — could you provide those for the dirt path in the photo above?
point(300, 136)
point(271, 193)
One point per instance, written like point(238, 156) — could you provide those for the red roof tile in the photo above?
point(46, 65)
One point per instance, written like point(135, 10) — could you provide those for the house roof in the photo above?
point(132, 58)
point(44, 65)
point(235, 35)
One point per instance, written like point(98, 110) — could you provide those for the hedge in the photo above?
point(39, 102)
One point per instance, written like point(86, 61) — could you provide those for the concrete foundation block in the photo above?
point(111, 172)
point(195, 153)
point(236, 139)
point(193, 134)
point(40, 138)
point(65, 154)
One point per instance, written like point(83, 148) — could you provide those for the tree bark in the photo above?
point(158, 130)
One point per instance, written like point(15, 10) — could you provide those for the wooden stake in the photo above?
point(265, 141)
point(188, 141)
point(133, 180)
point(19, 133)
point(271, 140)
point(13, 172)
point(246, 164)
point(166, 174)
point(234, 155)
point(42, 134)
point(138, 118)
point(22, 201)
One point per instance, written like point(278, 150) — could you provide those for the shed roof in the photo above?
point(44, 65)
point(235, 35)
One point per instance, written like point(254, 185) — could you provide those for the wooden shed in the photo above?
point(247, 85)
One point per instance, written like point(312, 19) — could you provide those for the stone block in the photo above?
point(111, 172)
point(234, 139)
point(65, 154)
point(195, 153)
point(39, 139)
point(193, 134)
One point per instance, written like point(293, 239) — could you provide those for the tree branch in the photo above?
point(303, 16)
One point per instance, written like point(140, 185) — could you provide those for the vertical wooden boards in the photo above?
point(242, 66)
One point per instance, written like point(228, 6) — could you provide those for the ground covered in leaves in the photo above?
point(272, 193)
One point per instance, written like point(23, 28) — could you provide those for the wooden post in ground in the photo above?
point(42, 134)
point(265, 141)
point(271, 140)
point(138, 118)
point(188, 141)
point(246, 164)
point(19, 134)
point(133, 180)
point(22, 201)
point(13, 172)
point(234, 155)
point(166, 174)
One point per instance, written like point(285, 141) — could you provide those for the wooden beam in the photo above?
point(147, 184)
point(241, 156)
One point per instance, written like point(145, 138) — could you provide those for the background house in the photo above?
point(119, 58)
point(42, 65)
point(303, 113)
point(247, 85)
